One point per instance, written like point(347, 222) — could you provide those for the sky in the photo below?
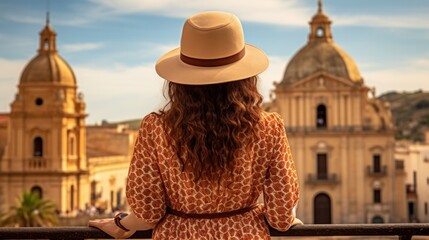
point(112, 45)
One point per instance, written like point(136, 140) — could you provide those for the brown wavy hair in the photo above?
point(206, 124)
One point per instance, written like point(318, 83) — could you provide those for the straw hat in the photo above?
point(212, 50)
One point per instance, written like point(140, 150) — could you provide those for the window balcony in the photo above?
point(411, 191)
point(37, 163)
point(403, 231)
point(326, 178)
point(376, 172)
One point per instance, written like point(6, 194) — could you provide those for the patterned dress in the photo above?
point(156, 180)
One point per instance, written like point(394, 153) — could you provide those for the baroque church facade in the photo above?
point(341, 136)
point(43, 141)
point(45, 151)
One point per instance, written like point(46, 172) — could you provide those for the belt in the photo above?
point(211, 215)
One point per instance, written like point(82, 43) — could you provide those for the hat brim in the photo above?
point(171, 68)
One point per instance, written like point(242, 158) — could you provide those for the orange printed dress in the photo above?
point(156, 180)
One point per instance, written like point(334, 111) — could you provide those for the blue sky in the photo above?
point(112, 44)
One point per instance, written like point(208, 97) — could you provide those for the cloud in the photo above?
point(421, 62)
point(9, 79)
point(291, 12)
point(121, 92)
point(81, 47)
point(412, 22)
point(277, 12)
point(274, 73)
point(22, 18)
point(151, 49)
point(412, 76)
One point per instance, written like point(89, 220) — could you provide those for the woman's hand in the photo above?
point(297, 221)
point(108, 226)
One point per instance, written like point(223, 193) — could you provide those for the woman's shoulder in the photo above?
point(151, 121)
point(271, 119)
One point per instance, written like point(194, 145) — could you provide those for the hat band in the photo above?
point(213, 62)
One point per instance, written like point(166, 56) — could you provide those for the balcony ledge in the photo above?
point(403, 231)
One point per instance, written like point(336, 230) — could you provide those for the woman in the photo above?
point(200, 164)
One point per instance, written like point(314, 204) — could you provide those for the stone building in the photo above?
point(109, 151)
point(414, 158)
point(341, 136)
point(44, 146)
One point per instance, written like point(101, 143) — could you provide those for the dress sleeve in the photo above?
point(145, 190)
point(281, 191)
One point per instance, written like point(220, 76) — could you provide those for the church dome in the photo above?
point(48, 66)
point(321, 54)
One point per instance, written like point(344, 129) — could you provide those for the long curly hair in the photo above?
point(206, 124)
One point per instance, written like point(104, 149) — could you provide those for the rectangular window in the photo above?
point(410, 210)
point(111, 201)
point(415, 180)
point(426, 208)
point(376, 163)
point(377, 196)
point(399, 164)
point(93, 192)
point(322, 166)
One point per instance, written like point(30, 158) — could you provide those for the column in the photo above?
point(349, 111)
point(292, 112)
point(341, 111)
point(301, 121)
point(344, 175)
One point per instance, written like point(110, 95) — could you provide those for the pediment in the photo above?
point(322, 82)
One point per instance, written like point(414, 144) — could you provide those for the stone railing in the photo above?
point(382, 172)
point(328, 178)
point(403, 231)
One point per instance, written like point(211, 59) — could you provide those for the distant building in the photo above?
point(109, 150)
point(46, 147)
point(414, 158)
point(341, 136)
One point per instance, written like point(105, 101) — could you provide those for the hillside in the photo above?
point(410, 112)
point(133, 124)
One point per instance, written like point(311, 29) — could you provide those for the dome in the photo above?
point(321, 55)
point(48, 66)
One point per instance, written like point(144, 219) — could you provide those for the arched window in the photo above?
point(377, 219)
point(38, 147)
point(320, 32)
point(72, 147)
point(38, 191)
point(321, 116)
point(322, 209)
point(46, 44)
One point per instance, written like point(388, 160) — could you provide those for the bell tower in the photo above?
point(320, 26)
point(46, 134)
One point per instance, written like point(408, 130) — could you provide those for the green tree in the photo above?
point(30, 211)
